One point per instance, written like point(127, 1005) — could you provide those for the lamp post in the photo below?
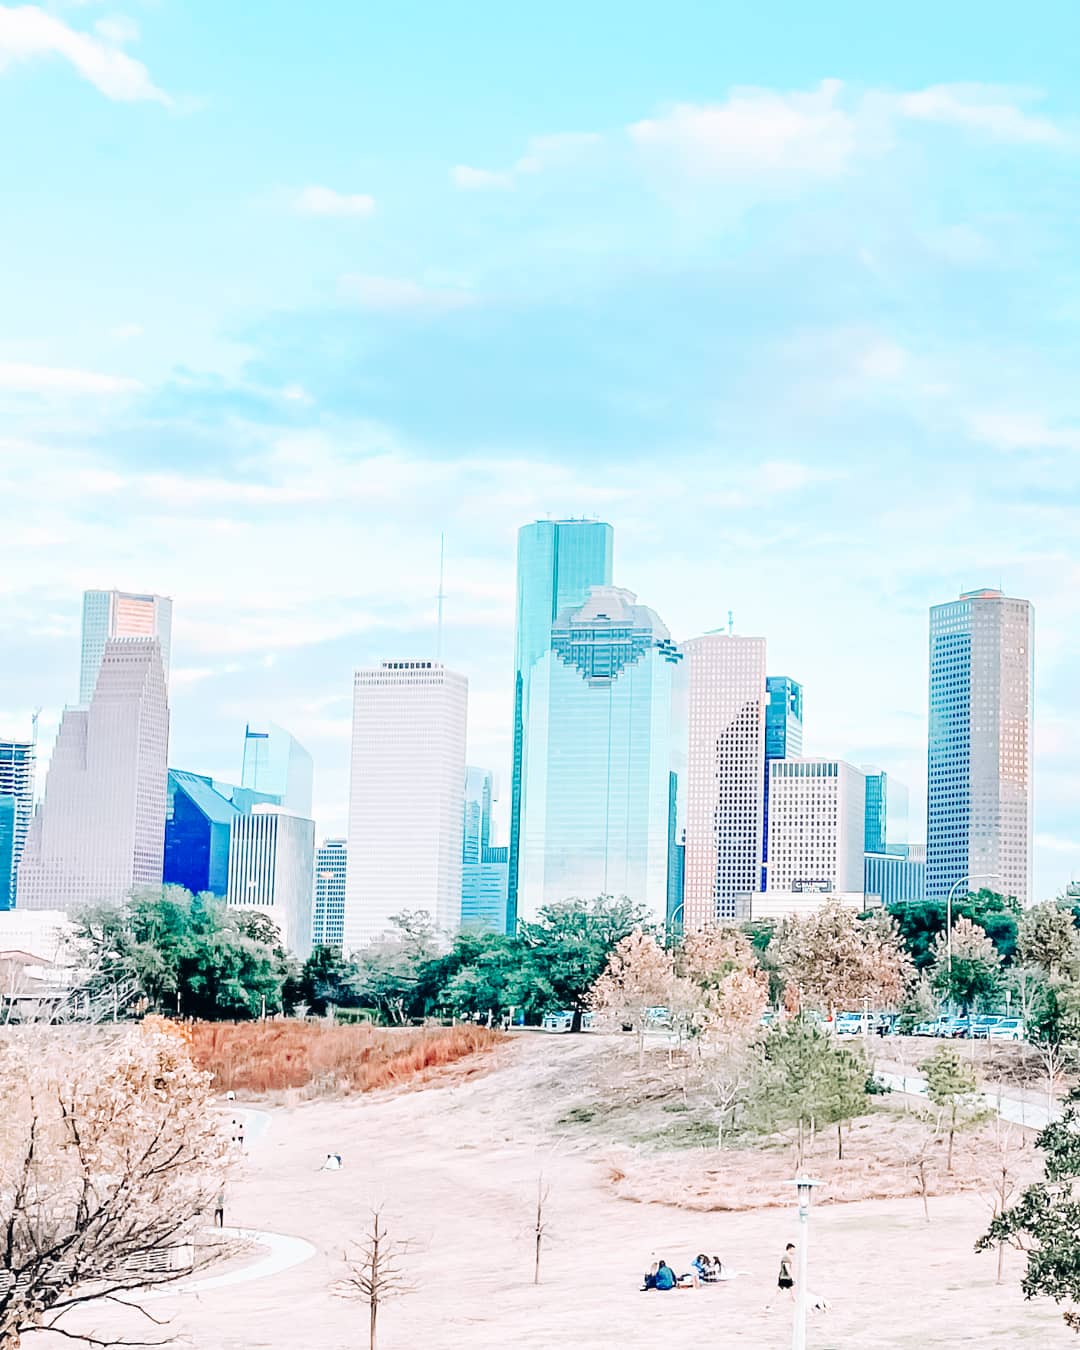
point(804, 1187)
point(963, 881)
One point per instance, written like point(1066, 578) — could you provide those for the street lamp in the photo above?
point(963, 881)
point(804, 1187)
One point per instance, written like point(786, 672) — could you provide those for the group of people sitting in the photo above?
point(703, 1270)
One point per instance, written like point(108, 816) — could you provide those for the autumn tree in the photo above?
point(952, 1087)
point(639, 975)
point(110, 1154)
point(1048, 938)
point(967, 973)
point(374, 1273)
point(835, 959)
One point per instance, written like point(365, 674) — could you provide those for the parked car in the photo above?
point(980, 1027)
point(1008, 1029)
point(925, 1029)
point(563, 1020)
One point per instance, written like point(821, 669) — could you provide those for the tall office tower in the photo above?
point(198, 819)
point(277, 765)
point(978, 825)
point(877, 803)
point(328, 917)
point(783, 740)
point(483, 891)
point(7, 848)
point(101, 827)
point(17, 782)
point(725, 771)
point(406, 797)
point(115, 614)
point(271, 871)
point(598, 757)
point(817, 822)
point(478, 798)
point(557, 563)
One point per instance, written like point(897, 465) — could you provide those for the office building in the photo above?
point(817, 821)
point(271, 871)
point(100, 829)
point(483, 891)
point(406, 797)
point(276, 765)
point(598, 757)
point(477, 826)
point(557, 563)
point(783, 740)
point(980, 745)
point(725, 772)
point(198, 819)
point(896, 878)
point(778, 905)
point(117, 614)
point(877, 797)
point(7, 850)
point(17, 760)
point(328, 917)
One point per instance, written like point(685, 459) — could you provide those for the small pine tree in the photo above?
point(953, 1088)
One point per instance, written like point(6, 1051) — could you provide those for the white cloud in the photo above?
point(1022, 431)
point(468, 179)
point(21, 378)
point(985, 108)
point(117, 29)
point(295, 393)
point(323, 201)
point(125, 331)
point(401, 295)
point(755, 133)
point(27, 32)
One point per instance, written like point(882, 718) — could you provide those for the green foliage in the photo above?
point(390, 972)
point(1048, 938)
point(326, 979)
point(807, 1079)
point(1046, 1219)
point(921, 921)
point(189, 954)
point(952, 1087)
point(969, 975)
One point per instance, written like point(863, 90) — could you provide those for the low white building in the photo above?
point(796, 904)
point(271, 870)
point(817, 823)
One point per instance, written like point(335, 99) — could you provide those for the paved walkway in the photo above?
point(285, 1252)
point(1017, 1109)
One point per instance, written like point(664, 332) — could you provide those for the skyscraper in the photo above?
point(558, 561)
point(198, 819)
point(783, 739)
point(114, 614)
point(817, 823)
point(598, 756)
point(276, 764)
point(725, 773)
point(7, 847)
point(877, 808)
point(271, 871)
point(101, 827)
point(17, 783)
point(980, 745)
point(478, 798)
point(406, 797)
point(328, 918)
point(483, 891)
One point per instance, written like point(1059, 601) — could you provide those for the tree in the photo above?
point(952, 1087)
point(327, 979)
point(968, 975)
point(568, 945)
point(639, 975)
point(389, 971)
point(837, 959)
point(540, 1223)
point(110, 1153)
point(1048, 938)
point(374, 1274)
point(1045, 1222)
point(920, 922)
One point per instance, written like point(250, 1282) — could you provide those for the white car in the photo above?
point(1008, 1029)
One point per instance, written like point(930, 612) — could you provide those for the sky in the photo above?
point(788, 293)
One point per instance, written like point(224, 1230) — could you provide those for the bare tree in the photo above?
point(110, 1156)
point(1001, 1178)
point(374, 1272)
point(540, 1226)
point(639, 975)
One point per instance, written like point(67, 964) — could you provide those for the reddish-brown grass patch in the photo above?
point(272, 1056)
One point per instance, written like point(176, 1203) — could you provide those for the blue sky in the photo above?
point(790, 294)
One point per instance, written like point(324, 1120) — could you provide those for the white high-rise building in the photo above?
point(114, 614)
point(271, 870)
point(724, 775)
point(817, 824)
point(979, 802)
point(406, 797)
point(17, 783)
point(100, 829)
point(328, 917)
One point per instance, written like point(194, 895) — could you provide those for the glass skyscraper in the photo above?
point(7, 850)
point(783, 739)
point(328, 917)
point(877, 799)
point(478, 798)
point(17, 783)
point(558, 561)
point(114, 614)
point(597, 757)
point(277, 765)
point(979, 755)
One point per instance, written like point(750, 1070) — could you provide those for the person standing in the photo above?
point(785, 1281)
point(219, 1209)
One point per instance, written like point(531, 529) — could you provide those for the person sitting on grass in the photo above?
point(703, 1265)
point(717, 1269)
point(660, 1277)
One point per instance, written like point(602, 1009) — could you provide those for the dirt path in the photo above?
point(456, 1170)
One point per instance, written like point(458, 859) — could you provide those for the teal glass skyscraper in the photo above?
point(558, 561)
point(598, 753)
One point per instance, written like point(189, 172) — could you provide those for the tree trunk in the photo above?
point(922, 1189)
point(536, 1266)
point(1001, 1263)
point(374, 1317)
point(839, 1141)
point(641, 1044)
point(952, 1136)
point(575, 1020)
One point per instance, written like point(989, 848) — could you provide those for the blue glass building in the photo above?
point(597, 757)
point(198, 817)
point(277, 765)
point(783, 740)
point(877, 795)
point(558, 561)
point(483, 890)
point(894, 877)
point(477, 832)
point(7, 852)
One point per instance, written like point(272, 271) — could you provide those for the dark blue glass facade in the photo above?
point(7, 852)
point(197, 820)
